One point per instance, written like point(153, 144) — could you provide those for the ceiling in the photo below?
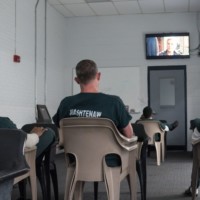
point(80, 8)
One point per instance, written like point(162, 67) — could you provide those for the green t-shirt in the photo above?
point(98, 105)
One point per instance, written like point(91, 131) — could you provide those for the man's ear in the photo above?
point(98, 76)
point(76, 79)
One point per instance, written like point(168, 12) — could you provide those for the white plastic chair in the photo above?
point(152, 128)
point(89, 140)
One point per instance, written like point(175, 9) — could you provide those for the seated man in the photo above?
point(147, 115)
point(92, 103)
point(41, 137)
point(195, 127)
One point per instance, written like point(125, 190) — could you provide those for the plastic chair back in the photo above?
point(89, 140)
point(152, 128)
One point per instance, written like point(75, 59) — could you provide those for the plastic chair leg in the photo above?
point(144, 171)
point(41, 177)
point(158, 152)
point(141, 178)
point(95, 190)
point(78, 192)
point(69, 182)
point(22, 188)
point(112, 182)
point(144, 166)
point(54, 178)
point(46, 170)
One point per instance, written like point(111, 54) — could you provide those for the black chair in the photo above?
point(45, 163)
point(141, 162)
point(12, 159)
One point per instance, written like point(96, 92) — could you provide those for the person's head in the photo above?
point(170, 46)
point(147, 112)
point(87, 73)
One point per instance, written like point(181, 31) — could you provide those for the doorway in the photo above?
point(167, 96)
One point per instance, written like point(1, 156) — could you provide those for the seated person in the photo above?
point(148, 115)
point(41, 137)
point(195, 127)
point(92, 103)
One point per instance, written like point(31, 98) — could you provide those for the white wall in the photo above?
point(111, 41)
point(17, 80)
point(119, 41)
point(56, 59)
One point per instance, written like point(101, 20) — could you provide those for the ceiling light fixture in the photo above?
point(96, 1)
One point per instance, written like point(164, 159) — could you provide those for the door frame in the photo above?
point(171, 67)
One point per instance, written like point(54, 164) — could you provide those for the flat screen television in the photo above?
point(42, 115)
point(167, 45)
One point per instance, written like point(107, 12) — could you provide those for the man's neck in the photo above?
point(89, 89)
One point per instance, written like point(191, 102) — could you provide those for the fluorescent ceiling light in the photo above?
point(95, 1)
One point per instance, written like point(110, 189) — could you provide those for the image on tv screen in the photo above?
point(171, 46)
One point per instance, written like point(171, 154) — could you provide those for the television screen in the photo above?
point(43, 114)
point(167, 45)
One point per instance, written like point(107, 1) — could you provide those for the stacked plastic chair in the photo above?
point(89, 140)
point(152, 128)
point(45, 163)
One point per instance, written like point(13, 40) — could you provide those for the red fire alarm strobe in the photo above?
point(16, 58)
